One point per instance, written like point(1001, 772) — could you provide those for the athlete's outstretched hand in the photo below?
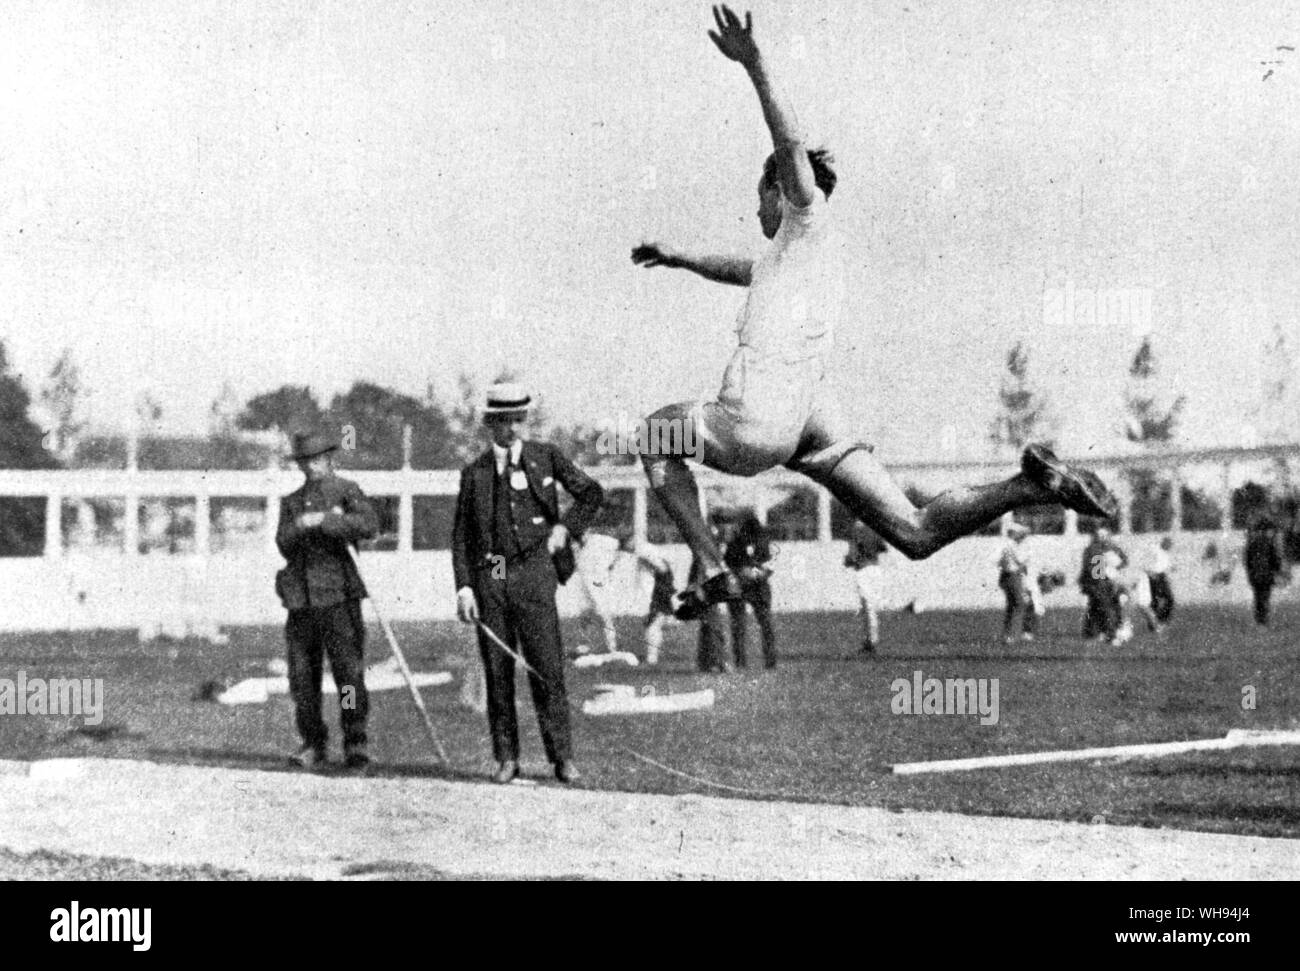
point(655, 254)
point(735, 40)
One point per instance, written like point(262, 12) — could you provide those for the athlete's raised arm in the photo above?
point(736, 41)
point(735, 270)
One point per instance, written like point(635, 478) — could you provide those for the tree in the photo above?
point(1151, 424)
point(1149, 421)
point(287, 409)
point(370, 419)
point(1025, 414)
point(226, 449)
point(22, 519)
point(62, 400)
point(22, 441)
point(1279, 406)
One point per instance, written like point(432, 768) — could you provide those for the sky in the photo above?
point(202, 194)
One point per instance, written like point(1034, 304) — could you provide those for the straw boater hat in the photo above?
point(310, 444)
point(507, 398)
point(1017, 529)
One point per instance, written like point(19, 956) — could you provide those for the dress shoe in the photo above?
point(356, 757)
point(506, 771)
point(567, 772)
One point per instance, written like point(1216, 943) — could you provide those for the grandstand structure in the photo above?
point(126, 548)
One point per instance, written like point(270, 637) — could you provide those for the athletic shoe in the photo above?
point(1076, 489)
point(505, 772)
point(308, 757)
point(695, 601)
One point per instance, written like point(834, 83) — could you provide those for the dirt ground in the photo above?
point(279, 824)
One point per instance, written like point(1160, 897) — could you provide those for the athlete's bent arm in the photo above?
point(735, 270)
point(736, 41)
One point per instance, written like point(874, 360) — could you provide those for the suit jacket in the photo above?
point(544, 465)
point(320, 572)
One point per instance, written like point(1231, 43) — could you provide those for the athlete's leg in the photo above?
point(868, 491)
point(858, 479)
point(675, 488)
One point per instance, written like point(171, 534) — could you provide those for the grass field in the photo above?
point(818, 728)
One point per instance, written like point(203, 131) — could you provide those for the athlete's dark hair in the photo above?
point(822, 165)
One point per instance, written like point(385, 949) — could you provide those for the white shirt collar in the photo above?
point(499, 453)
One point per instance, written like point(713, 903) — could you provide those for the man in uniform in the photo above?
point(510, 550)
point(322, 590)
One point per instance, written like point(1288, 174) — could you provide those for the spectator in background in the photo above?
point(1102, 560)
point(863, 558)
point(1019, 585)
point(1159, 566)
point(747, 555)
point(651, 560)
point(711, 653)
point(1264, 564)
point(595, 555)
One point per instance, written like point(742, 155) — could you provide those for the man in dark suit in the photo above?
point(1101, 557)
point(1264, 565)
point(510, 548)
point(322, 590)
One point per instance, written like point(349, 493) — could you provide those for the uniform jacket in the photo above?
point(320, 572)
point(534, 509)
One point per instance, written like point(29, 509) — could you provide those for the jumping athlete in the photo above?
point(773, 408)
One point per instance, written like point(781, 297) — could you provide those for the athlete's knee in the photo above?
point(916, 542)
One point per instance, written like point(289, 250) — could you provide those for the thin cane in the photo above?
point(401, 665)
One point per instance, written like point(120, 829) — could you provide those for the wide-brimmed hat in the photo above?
point(307, 445)
point(507, 398)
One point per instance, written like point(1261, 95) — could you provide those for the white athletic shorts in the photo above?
point(772, 413)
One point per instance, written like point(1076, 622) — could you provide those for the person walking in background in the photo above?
point(1264, 565)
point(863, 557)
point(747, 554)
point(1159, 566)
point(1016, 578)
